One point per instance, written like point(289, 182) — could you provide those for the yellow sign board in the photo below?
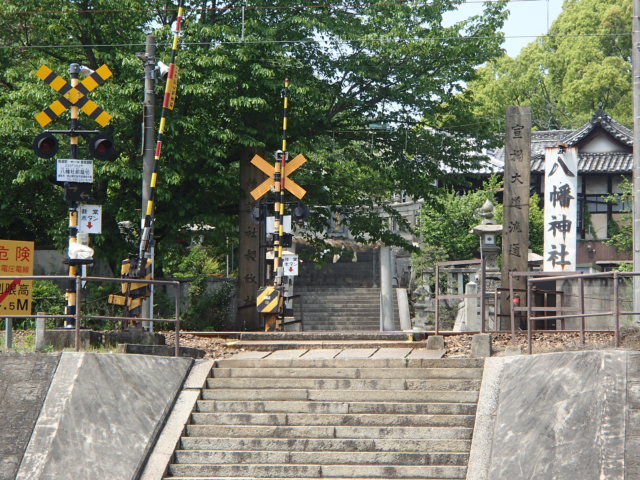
point(16, 259)
point(270, 170)
point(74, 96)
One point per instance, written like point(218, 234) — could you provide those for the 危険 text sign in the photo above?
point(16, 259)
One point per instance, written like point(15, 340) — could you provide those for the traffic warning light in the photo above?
point(300, 212)
point(101, 147)
point(45, 145)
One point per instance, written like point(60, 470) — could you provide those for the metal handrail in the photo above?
point(79, 279)
point(533, 277)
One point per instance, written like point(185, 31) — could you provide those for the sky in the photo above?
point(527, 20)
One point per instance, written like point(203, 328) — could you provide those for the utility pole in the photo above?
point(148, 159)
point(635, 61)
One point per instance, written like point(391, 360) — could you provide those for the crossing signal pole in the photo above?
point(140, 265)
point(270, 300)
point(74, 98)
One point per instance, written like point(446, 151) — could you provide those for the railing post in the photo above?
point(77, 315)
point(582, 319)
point(563, 324)
point(495, 310)
point(483, 292)
point(512, 311)
point(616, 308)
point(178, 296)
point(437, 306)
point(529, 314)
point(8, 331)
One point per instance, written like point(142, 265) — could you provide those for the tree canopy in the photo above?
point(582, 65)
point(376, 106)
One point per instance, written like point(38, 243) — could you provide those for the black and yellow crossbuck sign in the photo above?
point(74, 96)
point(270, 170)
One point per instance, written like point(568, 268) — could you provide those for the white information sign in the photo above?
point(560, 209)
point(271, 224)
point(290, 265)
point(72, 170)
point(90, 219)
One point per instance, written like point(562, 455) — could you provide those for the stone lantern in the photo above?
point(489, 231)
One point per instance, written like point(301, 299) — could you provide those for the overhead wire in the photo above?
point(285, 42)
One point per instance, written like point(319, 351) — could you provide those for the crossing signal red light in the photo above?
point(102, 147)
point(45, 145)
point(300, 212)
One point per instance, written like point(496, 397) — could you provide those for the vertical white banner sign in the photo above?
point(560, 209)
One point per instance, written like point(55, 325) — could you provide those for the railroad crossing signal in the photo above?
point(270, 170)
point(74, 96)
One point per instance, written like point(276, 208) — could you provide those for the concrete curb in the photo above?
point(480, 454)
point(162, 453)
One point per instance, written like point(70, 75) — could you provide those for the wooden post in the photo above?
point(250, 255)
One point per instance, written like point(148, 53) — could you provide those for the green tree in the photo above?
point(584, 64)
point(351, 65)
point(445, 227)
point(621, 229)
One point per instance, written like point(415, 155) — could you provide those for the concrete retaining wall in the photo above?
point(24, 382)
point(567, 415)
point(102, 416)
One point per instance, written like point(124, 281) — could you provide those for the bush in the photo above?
point(208, 310)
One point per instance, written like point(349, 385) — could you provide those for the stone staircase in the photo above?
point(309, 417)
point(341, 308)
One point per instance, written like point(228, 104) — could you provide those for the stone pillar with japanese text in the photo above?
point(249, 258)
point(515, 232)
point(560, 209)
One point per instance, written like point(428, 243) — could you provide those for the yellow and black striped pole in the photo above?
point(279, 184)
point(167, 104)
point(74, 72)
point(140, 266)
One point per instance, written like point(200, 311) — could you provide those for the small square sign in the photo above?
point(290, 265)
point(90, 219)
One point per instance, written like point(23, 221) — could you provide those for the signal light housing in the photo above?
point(45, 145)
point(101, 147)
point(300, 212)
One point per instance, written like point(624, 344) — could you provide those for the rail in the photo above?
point(78, 316)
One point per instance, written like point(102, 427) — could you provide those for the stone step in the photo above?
point(210, 406)
point(345, 308)
point(332, 336)
point(349, 373)
point(250, 457)
point(410, 396)
point(319, 471)
point(351, 362)
point(320, 431)
point(329, 419)
point(293, 345)
point(321, 444)
point(344, 384)
point(327, 327)
point(244, 477)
